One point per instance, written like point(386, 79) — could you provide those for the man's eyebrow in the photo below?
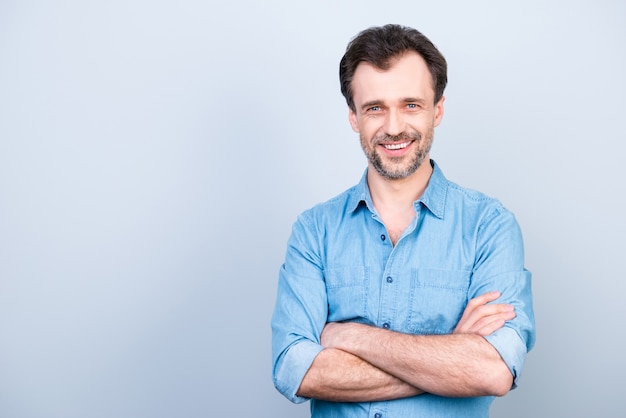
point(371, 103)
point(414, 100)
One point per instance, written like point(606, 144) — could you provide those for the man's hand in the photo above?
point(482, 318)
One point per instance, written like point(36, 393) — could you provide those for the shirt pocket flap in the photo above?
point(437, 300)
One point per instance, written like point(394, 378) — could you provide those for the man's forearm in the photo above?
point(456, 365)
point(338, 376)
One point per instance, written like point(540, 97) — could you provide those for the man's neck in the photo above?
point(401, 193)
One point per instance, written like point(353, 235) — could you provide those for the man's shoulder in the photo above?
point(469, 199)
point(466, 193)
point(333, 209)
point(448, 199)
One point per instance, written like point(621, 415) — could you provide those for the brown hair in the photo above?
point(379, 45)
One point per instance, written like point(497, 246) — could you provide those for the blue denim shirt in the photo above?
point(341, 266)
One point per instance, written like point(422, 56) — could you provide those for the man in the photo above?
point(405, 296)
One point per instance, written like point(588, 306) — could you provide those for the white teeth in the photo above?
point(397, 146)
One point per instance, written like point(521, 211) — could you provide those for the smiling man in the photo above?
point(406, 295)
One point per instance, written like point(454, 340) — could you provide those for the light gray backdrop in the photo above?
point(154, 154)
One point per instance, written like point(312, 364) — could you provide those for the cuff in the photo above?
point(512, 350)
point(292, 368)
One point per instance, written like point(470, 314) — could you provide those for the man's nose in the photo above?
point(394, 123)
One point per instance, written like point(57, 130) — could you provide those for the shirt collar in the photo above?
point(361, 195)
point(434, 197)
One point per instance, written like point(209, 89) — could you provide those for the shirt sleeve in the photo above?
point(300, 312)
point(512, 350)
point(499, 265)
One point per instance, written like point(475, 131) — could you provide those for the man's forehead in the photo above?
point(407, 77)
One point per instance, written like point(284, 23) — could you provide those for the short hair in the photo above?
point(380, 45)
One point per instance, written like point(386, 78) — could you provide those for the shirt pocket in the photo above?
point(346, 288)
point(437, 300)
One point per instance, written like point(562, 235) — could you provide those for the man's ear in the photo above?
point(439, 111)
point(353, 121)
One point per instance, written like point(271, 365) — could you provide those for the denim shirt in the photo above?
point(341, 266)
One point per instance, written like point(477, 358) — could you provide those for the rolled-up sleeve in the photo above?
point(512, 350)
point(500, 267)
point(300, 312)
point(291, 368)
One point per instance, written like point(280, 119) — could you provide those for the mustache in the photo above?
point(401, 137)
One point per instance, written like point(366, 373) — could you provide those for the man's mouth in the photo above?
point(401, 145)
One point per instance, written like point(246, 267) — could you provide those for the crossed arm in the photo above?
point(362, 363)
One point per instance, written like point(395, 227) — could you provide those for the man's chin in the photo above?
point(395, 174)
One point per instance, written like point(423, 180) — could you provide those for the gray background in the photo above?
point(154, 154)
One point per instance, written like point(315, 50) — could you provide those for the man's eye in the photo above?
point(374, 108)
point(411, 105)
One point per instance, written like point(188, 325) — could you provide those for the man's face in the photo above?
point(395, 115)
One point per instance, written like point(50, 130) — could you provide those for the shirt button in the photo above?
point(383, 237)
point(389, 279)
point(386, 325)
point(377, 415)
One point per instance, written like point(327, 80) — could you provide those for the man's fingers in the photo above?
point(491, 323)
point(486, 324)
point(478, 312)
point(483, 299)
point(477, 302)
point(482, 317)
point(490, 327)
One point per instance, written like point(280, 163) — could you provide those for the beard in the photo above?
point(396, 168)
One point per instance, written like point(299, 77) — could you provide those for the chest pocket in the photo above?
point(437, 300)
point(346, 288)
